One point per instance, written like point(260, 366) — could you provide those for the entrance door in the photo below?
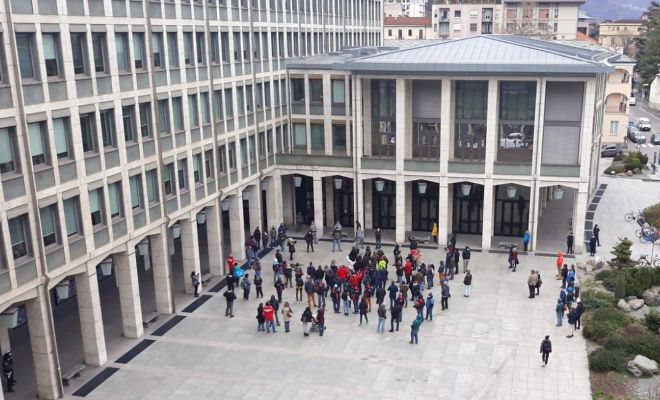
point(384, 206)
point(511, 216)
point(264, 211)
point(305, 200)
point(468, 210)
point(425, 208)
point(343, 204)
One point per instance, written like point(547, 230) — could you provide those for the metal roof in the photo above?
point(488, 54)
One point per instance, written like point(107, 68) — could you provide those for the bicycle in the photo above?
point(632, 216)
point(644, 261)
point(647, 234)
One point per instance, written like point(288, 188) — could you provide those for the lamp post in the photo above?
point(201, 217)
point(224, 204)
point(559, 193)
point(62, 290)
point(297, 181)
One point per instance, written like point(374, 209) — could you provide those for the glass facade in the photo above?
point(516, 122)
point(471, 109)
point(383, 118)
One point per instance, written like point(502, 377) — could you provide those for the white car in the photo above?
point(643, 124)
point(632, 101)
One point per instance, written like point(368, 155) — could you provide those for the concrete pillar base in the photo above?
point(129, 294)
point(41, 330)
point(91, 318)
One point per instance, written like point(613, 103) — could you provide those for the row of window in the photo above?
point(337, 89)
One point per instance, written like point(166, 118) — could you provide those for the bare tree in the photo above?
point(528, 23)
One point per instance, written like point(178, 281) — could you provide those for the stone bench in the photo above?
point(505, 245)
point(206, 278)
point(74, 372)
point(425, 240)
point(149, 318)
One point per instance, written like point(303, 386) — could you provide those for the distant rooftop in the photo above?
point(624, 21)
point(407, 21)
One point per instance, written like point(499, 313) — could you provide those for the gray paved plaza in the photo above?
point(483, 347)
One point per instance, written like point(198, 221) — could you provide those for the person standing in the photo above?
point(570, 239)
point(257, 237)
point(264, 238)
point(309, 239)
point(559, 310)
point(467, 281)
point(230, 296)
point(592, 246)
point(434, 232)
point(444, 302)
point(430, 302)
point(245, 285)
point(279, 288)
point(291, 244)
point(273, 236)
point(579, 310)
point(260, 318)
point(379, 238)
point(364, 308)
point(336, 239)
point(287, 314)
point(306, 319)
point(382, 316)
point(572, 318)
point(359, 237)
point(466, 258)
point(538, 282)
point(546, 349)
point(414, 330)
point(526, 238)
point(335, 295)
point(346, 301)
point(276, 307)
point(320, 319)
point(513, 258)
point(395, 315)
point(392, 289)
point(314, 230)
point(596, 234)
point(559, 262)
point(269, 317)
point(8, 371)
point(194, 280)
point(309, 289)
point(532, 280)
point(299, 287)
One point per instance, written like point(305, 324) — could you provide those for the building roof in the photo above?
point(488, 54)
point(407, 21)
point(624, 21)
point(585, 38)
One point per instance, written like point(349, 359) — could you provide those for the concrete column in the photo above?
point(40, 326)
point(409, 187)
point(214, 238)
point(358, 192)
point(129, 294)
point(487, 232)
point(364, 124)
point(579, 216)
point(536, 215)
point(329, 201)
point(91, 318)
point(318, 205)
point(445, 133)
point(368, 213)
point(401, 117)
point(5, 344)
point(491, 129)
point(359, 120)
point(533, 216)
point(288, 201)
point(274, 201)
point(161, 262)
point(443, 212)
point(190, 251)
point(236, 230)
point(255, 209)
point(400, 232)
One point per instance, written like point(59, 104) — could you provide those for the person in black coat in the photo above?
point(592, 246)
point(292, 248)
point(395, 312)
point(257, 237)
point(8, 371)
point(309, 239)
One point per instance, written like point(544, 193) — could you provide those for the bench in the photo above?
point(206, 278)
point(74, 372)
point(149, 318)
point(505, 245)
point(425, 240)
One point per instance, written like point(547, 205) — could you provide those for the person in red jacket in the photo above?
point(342, 274)
point(269, 316)
point(407, 270)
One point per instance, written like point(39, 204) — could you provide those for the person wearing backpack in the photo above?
point(430, 271)
point(430, 302)
point(320, 319)
point(572, 318)
point(466, 258)
point(245, 285)
point(467, 281)
point(419, 306)
point(414, 330)
point(299, 288)
point(546, 349)
point(276, 266)
point(382, 316)
point(538, 283)
point(230, 297)
point(335, 295)
point(444, 302)
point(260, 318)
point(306, 319)
point(395, 315)
point(279, 288)
point(258, 283)
point(363, 310)
point(287, 314)
point(320, 291)
point(309, 240)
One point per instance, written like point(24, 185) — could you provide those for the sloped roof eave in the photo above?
point(439, 68)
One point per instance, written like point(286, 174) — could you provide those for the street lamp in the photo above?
point(511, 191)
point(246, 194)
point(380, 185)
point(9, 317)
point(465, 189)
point(421, 187)
point(265, 184)
point(338, 183)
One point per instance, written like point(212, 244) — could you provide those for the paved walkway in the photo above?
point(483, 347)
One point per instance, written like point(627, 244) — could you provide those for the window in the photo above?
point(300, 136)
point(100, 52)
point(318, 138)
point(88, 131)
point(215, 48)
point(338, 92)
point(172, 50)
point(528, 13)
point(201, 50)
point(96, 206)
point(516, 130)
point(48, 216)
point(237, 47)
point(244, 153)
point(139, 52)
point(114, 192)
point(193, 114)
point(267, 94)
point(157, 49)
point(163, 116)
point(614, 128)
point(61, 133)
point(298, 90)
point(182, 171)
point(217, 105)
point(471, 107)
point(316, 91)
point(51, 53)
point(38, 144)
point(457, 13)
point(222, 160)
point(473, 27)
point(79, 52)
point(511, 13)
point(19, 233)
point(197, 167)
point(8, 159)
point(128, 118)
point(224, 46)
point(252, 148)
point(177, 108)
point(121, 44)
point(135, 183)
point(108, 128)
point(26, 55)
point(145, 119)
point(474, 13)
point(188, 49)
point(206, 112)
point(239, 100)
point(544, 13)
point(72, 216)
point(246, 46)
point(152, 186)
point(339, 137)
point(232, 156)
point(208, 163)
point(248, 98)
point(229, 104)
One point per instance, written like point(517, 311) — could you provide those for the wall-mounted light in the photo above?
point(297, 181)
point(380, 185)
point(62, 290)
point(465, 189)
point(559, 193)
point(106, 265)
point(246, 194)
point(176, 230)
point(265, 184)
point(338, 183)
point(201, 217)
point(421, 187)
point(224, 204)
point(511, 191)
point(9, 317)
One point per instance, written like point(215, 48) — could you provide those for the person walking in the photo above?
point(335, 296)
point(320, 319)
point(269, 316)
point(596, 234)
point(382, 316)
point(194, 280)
point(336, 239)
point(559, 310)
point(273, 236)
point(467, 281)
point(245, 285)
point(579, 310)
point(392, 290)
point(466, 258)
point(570, 239)
point(419, 304)
point(260, 318)
point(359, 237)
point(572, 318)
point(8, 371)
point(346, 301)
point(291, 244)
point(309, 289)
point(257, 237)
point(546, 349)
point(559, 262)
point(526, 238)
point(434, 232)
point(513, 258)
point(430, 302)
point(379, 238)
point(309, 239)
point(287, 314)
point(276, 307)
point(230, 296)
point(538, 283)
point(414, 330)
point(532, 280)
point(444, 302)
point(592, 246)
point(299, 287)
point(306, 319)
point(564, 275)
point(279, 288)
point(364, 308)
point(265, 239)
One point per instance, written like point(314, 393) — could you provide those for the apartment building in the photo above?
point(407, 28)
point(620, 35)
point(408, 8)
point(456, 19)
point(132, 130)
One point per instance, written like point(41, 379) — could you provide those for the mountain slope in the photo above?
point(615, 9)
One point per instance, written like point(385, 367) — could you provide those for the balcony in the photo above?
point(616, 109)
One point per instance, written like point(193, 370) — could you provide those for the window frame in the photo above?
point(54, 236)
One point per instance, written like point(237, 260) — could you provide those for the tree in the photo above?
point(525, 23)
point(648, 44)
point(621, 253)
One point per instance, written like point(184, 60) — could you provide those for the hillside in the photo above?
point(615, 9)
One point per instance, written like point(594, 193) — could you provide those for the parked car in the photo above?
point(631, 123)
point(655, 138)
point(638, 138)
point(632, 101)
point(611, 150)
point(643, 124)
